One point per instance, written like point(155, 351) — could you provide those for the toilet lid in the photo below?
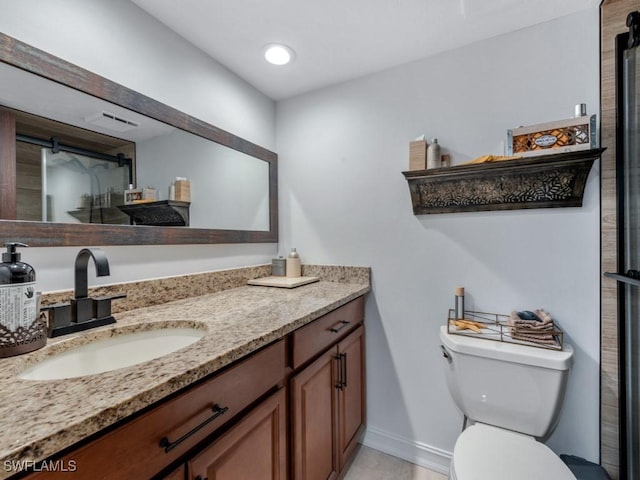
point(483, 452)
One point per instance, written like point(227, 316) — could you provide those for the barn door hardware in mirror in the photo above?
point(246, 161)
point(545, 181)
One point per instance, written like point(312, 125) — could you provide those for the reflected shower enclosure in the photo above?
point(78, 188)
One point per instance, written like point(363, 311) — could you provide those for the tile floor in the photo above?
point(370, 464)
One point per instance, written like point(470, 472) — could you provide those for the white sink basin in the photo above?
point(111, 353)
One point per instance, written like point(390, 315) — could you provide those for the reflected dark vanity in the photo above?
point(207, 143)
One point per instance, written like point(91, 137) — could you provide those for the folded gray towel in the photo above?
point(535, 338)
point(535, 331)
point(545, 324)
point(532, 326)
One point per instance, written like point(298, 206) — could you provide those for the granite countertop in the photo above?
point(40, 418)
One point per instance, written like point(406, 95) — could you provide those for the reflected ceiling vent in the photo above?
point(111, 121)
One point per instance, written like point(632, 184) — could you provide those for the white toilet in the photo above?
point(512, 395)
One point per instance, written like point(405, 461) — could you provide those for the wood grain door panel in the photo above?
point(351, 397)
point(314, 420)
point(254, 449)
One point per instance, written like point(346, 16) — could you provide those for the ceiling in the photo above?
point(338, 40)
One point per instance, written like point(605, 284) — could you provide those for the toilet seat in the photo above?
point(483, 452)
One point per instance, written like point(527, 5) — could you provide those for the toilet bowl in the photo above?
point(512, 394)
point(484, 452)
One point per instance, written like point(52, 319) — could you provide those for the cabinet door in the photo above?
point(253, 449)
point(351, 394)
point(313, 407)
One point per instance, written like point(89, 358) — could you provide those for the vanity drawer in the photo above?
point(150, 442)
point(313, 338)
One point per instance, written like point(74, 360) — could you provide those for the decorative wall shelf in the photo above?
point(545, 181)
point(166, 213)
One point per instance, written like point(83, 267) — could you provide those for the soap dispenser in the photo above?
point(21, 329)
point(294, 267)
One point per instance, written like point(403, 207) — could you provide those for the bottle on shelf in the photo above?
point(434, 157)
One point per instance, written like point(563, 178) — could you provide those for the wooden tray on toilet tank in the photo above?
point(495, 328)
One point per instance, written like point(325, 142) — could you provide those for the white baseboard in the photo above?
point(418, 453)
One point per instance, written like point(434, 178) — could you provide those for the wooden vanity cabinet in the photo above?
point(307, 431)
point(328, 396)
point(150, 442)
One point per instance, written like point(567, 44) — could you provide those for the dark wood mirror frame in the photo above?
point(42, 234)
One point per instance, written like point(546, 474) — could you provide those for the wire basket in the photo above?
point(496, 328)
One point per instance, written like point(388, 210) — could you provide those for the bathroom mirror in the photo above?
point(233, 182)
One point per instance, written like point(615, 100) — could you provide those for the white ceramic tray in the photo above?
point(282, 282)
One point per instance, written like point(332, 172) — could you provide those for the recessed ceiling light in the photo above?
point(278, 54)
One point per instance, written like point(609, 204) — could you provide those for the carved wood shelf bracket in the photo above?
point(545, 181)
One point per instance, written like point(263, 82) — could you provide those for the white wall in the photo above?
point(345, 201)
point(121, 42)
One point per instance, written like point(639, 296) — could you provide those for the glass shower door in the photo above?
point(630, 260)
point(77, 188)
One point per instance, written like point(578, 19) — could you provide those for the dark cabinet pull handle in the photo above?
point(341, 324)
point(342, 371)
point(168, 445)
point(199, 477)
point(338, 357)
point(344, 375)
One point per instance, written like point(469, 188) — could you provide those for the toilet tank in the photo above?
point(517, 387)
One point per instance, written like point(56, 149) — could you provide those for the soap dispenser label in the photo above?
point(17, 306)
point(21, 330)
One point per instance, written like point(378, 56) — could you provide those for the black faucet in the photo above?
point(82, 306)
point(83, 312)
point(81, 264)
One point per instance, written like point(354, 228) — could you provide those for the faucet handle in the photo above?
point(82, 309)
point(102, 305)
point(58, 315)
point(79, 315)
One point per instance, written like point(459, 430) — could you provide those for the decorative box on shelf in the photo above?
point(561, 136)
point(544, 181)
point(418, 155)
point(166, 213)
